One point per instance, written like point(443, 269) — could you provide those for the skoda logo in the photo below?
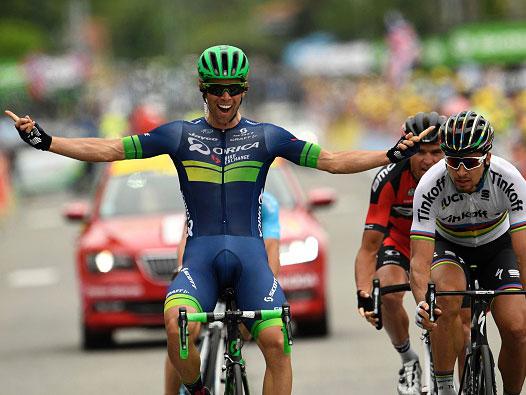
point(199, 146)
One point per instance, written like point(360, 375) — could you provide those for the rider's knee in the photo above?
point(272, 342)
point(393, 300)
point(514, 332)
point(450, 306)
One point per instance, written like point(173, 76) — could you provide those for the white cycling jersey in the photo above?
point(469, 219)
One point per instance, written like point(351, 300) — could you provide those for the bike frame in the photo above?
point(231, 318)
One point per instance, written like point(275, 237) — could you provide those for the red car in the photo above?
point(127, 251)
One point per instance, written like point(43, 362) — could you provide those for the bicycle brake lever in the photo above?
point(377, 303)
point(182, 322)
point(431, 300)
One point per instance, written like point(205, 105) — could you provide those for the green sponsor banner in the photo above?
point(489, 43)
point(496, 43)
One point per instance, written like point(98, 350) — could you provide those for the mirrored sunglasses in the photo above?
point(469, 162)
point(219, 89)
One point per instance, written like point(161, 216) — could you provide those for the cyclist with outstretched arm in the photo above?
point(384, 252)
point(271, 236)
point(468, 211)
point(222, 161)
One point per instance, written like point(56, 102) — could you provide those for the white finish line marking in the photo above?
point(33, 277)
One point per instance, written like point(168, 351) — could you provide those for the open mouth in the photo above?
point(224, 108)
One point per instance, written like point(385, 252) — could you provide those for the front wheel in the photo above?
point(488, 385)
point(238, 380)
point(234, 381)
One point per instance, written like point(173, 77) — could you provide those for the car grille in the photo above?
point(160, 267)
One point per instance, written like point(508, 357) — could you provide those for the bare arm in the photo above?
point(421, 258)
point(518, 240)
point(88, 149)
point(85, 149)
point(365, 263)
point(272, 247)
point(346, 162)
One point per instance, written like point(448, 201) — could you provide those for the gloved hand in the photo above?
point(36, 138)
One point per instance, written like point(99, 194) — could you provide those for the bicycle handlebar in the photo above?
point(377, 293)
point(205, 317)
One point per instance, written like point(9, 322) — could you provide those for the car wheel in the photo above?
point(318, 327)
point(92, 340)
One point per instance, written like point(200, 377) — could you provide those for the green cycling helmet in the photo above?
point(223, 62)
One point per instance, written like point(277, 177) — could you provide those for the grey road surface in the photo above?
point(39, 306)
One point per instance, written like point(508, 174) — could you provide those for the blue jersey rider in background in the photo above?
point(222, 161)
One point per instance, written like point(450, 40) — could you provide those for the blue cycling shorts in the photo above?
point(213, 263)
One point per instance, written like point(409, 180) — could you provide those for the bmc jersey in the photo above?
point(470, 219)
point(222, 172)
point(391, 205)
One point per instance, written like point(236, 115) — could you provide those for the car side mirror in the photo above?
point(76, 211)
point(321, 197)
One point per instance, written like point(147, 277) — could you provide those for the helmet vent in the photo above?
point(235, 62)
point(224, 63)
point(213, 58)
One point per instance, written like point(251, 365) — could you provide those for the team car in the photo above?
point(126, 253)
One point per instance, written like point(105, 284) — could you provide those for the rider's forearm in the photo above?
point(346, 162)
point(88, 149)
point(419, 277)
point(364, 269)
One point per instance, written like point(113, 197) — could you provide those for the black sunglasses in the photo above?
point(469, 162)
point(218, 89)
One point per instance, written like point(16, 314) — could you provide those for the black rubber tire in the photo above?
point(487, 371)
point(238, 379)
point(210, 374)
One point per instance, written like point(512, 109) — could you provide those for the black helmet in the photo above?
point(418, 123)
point(465, 133)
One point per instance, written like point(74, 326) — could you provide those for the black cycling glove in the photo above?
point(36, 138)
point(396, 155)
point(366, 303)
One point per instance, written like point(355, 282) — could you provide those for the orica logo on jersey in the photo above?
point(199, 146)
point(202, 148)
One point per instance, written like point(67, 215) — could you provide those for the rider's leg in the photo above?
point(395, 318)
point(509, 313)
point(447, 339)
point(465, 317)
point(188, 369)
point(278, 373)
point(172, 378)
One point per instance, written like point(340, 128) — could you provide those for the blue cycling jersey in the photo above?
point(222, 172)
point(270, 216)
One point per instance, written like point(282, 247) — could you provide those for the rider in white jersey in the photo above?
point(470, 219)
point(468, 211)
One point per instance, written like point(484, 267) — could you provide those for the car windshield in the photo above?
point(145, 193)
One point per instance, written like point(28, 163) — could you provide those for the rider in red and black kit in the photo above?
point(384, 252)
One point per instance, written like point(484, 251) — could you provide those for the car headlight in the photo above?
point(106, 261)
point(299, 251)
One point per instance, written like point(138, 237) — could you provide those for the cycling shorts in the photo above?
point(495, 264)
point(390, 255)
point(214, 263)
